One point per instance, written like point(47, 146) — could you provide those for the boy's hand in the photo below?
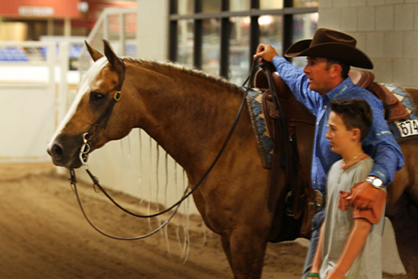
point(363, 195)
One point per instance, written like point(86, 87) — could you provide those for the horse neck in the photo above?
point(188, 114)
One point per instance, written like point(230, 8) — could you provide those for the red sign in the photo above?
point(40, 8)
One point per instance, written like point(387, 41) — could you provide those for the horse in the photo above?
point(189, 114)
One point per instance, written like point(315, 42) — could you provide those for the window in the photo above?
point(210, 45)
point(185, 42)
point(221, 36)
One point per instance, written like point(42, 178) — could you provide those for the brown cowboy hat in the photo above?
point(331, 44)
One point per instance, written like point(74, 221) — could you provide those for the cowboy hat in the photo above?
point(334, 45)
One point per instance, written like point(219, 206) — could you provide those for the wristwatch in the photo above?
point(375, 181)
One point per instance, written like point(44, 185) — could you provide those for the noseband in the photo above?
point(104, 117)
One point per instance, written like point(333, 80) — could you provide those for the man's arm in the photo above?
point(355, 243)
point(382, 146)
point(293, 76)
point(386, 153)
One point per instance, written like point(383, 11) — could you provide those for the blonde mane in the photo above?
point(172, 66)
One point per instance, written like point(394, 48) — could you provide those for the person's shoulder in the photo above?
point(368, 160)
point(366, 163)
point(336, 165)
point(360, 92)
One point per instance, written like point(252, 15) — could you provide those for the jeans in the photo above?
point(316, 225)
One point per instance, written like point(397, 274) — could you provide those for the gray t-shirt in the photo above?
point(338, 224)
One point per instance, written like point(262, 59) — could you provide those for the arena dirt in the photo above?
point(43, 234)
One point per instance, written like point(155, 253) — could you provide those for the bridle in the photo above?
point(104, 117)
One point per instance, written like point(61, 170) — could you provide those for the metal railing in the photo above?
point(116, 25)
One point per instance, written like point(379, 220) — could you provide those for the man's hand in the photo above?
point(265, 52)
point(363, 195)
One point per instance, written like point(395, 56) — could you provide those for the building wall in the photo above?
point(387, 30)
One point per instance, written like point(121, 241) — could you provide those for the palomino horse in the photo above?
point(189, 114)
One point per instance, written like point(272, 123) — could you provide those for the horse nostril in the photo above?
point(56, 151)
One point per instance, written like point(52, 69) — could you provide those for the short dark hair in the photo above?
point(355, 113)
point(345, 67)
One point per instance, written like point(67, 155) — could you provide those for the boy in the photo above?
point(350, 239)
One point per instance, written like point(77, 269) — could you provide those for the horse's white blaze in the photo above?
point(83, 89)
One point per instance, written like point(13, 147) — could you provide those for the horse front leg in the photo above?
point(245, 252)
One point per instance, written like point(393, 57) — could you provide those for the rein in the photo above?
point(85, 149)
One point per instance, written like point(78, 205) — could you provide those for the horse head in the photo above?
point(97, 114)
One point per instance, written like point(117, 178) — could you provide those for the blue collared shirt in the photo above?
point(379, 143)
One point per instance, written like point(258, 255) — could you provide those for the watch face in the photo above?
point(377, 182)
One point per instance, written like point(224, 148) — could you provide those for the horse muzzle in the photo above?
point(64, 152)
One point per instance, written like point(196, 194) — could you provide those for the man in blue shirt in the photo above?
point(329, 56)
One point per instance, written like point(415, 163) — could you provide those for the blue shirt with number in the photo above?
point(379, 143)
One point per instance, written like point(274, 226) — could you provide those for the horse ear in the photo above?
point(114, 60)
point(95, 55)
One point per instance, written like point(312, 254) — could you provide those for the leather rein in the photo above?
point(104, 117)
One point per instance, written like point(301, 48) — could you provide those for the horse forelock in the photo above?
point(85, 84)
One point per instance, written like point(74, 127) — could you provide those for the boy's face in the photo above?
point(339, 137)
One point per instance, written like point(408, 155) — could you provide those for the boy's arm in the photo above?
point(355, 243)
point(317, 261)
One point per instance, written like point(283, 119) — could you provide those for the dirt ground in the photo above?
point(43, 234)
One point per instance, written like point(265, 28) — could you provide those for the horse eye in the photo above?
point(96, 96)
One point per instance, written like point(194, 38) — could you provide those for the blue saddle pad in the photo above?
point(265, 143)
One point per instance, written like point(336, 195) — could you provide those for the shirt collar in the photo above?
point(340, 89)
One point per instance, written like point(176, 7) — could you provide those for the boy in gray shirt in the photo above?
point(350, 239)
